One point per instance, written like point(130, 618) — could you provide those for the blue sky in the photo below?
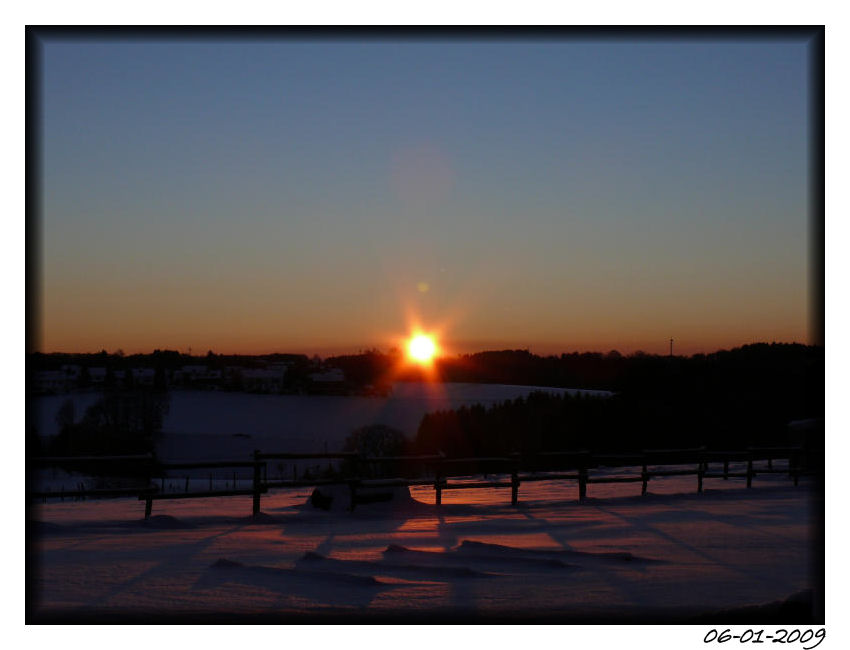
point(557, 195)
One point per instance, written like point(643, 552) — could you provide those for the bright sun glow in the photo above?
point(421, 348)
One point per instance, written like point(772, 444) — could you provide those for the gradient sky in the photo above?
point(323, 196)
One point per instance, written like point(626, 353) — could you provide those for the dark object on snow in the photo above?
point(373, 497)
point(345, 498)
point(319, 500)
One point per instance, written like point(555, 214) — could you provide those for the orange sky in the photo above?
point(325, 197)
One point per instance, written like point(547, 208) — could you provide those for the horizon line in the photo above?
point(631, 350)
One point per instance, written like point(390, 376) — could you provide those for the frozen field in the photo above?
point(672, 555)
point(226, 425)
point(669, 556)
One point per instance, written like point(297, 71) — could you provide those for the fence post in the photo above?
point(582, 483)
point(700, 472)
point(438, 486)
point(256, 506)
point(352, 487)
point(515, 479)
point(148, 506)
point(644, 474)
point(793, 467)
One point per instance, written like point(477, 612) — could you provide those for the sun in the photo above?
point(421, 348)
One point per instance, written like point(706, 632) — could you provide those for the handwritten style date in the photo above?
point(760, 636)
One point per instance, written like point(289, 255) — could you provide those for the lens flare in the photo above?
point(421, 348)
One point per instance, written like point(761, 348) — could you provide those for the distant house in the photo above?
point(52, 381)
point(807, 433)
point(330, 381)
point(262, 380)
point(143, 376)
point(57, 381)
point(198, 376)
point(329, 375)
point(280, 368)
point(188, 373)
point(72, 371)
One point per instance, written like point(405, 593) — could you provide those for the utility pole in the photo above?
point(671, 347)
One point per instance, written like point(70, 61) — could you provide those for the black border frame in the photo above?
point(813, 34)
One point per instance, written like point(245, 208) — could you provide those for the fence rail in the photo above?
point(571, 465)
point(70, 460)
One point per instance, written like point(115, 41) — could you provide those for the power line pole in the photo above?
point(671, 347)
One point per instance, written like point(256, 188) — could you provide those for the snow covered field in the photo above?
point(672, 555)
point(232, 425)
point(669, 556)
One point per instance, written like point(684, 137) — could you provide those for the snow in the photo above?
point(670, 555)
point(232, 425)
point(196, 411)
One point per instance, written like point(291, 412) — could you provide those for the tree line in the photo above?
point(726, 400)
point(729, 399)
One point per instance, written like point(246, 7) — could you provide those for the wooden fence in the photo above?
point(358, 472)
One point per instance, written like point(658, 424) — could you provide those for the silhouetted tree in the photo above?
point(376, 440)
point(121, 422)
point(372, 441)
point(65, 416)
